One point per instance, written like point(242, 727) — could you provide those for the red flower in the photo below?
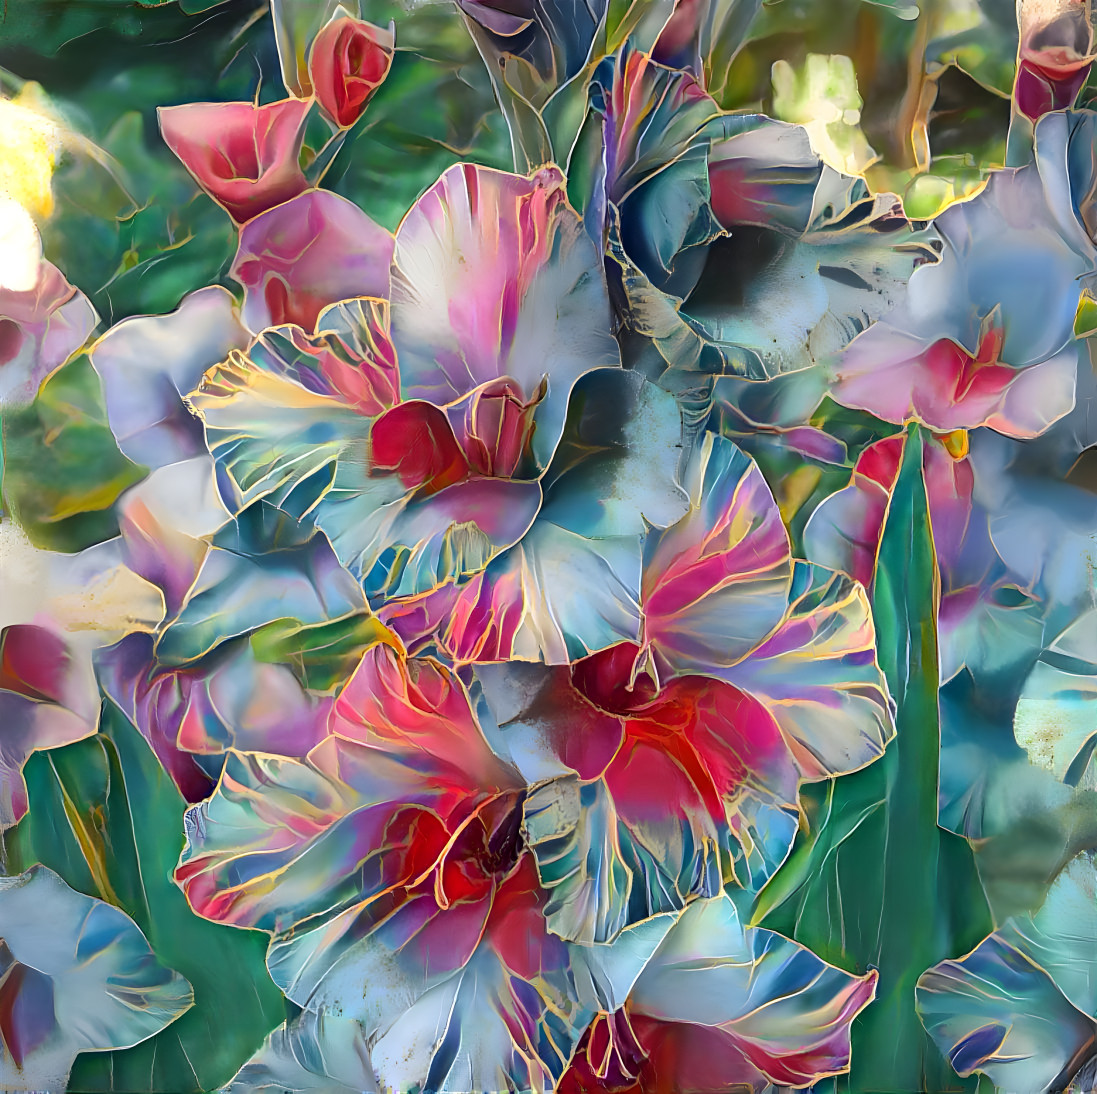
point(244, 156)
point(348, 62)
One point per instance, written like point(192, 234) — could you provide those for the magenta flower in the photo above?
point(985, 335)
point(423, 418)
point(1055, 55)
point(297, 259)
point(243, 155)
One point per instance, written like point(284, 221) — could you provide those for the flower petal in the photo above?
point(39, 330)
point(1000, 1010)
point(263, 566)
point(150, 362)
point(243, 155)
point(495, 276)
point(299, 257)
point(1053, 719)
point(716, 583)
point(780, 1006)
point(818, 676)
point(76, 975)
point(315, 1053)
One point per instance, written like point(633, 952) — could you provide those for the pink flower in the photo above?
point(348, 61)
point(244, 156)
point(946, 387)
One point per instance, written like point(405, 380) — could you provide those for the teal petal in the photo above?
point(262, 566)
point(76, 975)
point(1054, 719)
point(316, 1053)
point(1019, 1008)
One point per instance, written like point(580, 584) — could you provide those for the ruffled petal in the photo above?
point(495, 276)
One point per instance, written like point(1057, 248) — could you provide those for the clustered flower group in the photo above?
point(460, 610)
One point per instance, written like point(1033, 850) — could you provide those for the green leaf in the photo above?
point(875, 882)
point(323, 654)
point(106, 817)
point(62, 467)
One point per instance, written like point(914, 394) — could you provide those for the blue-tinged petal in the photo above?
point(819, 676)
point(76, 975)
point(494, 276)
point(617, 467)
point(466, 998)
point(315, 1053)
point(657, 133)
point(999, 1010)
point(150, 362)
point(798, 302)
point(572, 584)
point(573, 832)
point(786, 304)
point(282, 839)
point(268, 432)
point(1062, 935)
point(781, 1007)
point(764, 828)
point(461, 1034)
point(1040, 527)
point(605, 973)
point(417, 544)
point(262, 566)
point(1015, 256)
point(1056, 715)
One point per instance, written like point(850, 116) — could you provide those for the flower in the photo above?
point(1021, 1007)
point(260, 621)
point(1055, 54)
point(664, 767)
point(423, 425)
point(243, 155)
point(348, 61)
point(40, 329)
point(985, 335)
point(57, 610)
point(726, 234)
point(402, 895)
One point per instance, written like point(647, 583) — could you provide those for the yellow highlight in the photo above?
point(30, 144)
point(956, 443)
point(822, 96)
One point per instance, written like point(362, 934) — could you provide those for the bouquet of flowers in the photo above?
point(562, 568)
